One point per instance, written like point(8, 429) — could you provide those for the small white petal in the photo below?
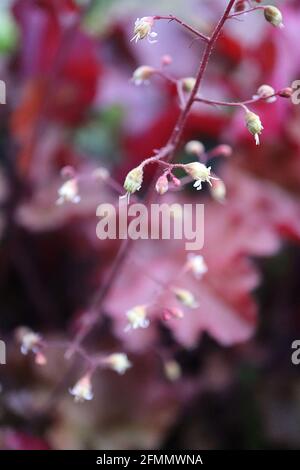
point(198, 184)
point(24, 350)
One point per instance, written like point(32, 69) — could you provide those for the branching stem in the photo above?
point(166, 153)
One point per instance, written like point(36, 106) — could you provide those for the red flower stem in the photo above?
point(246, 11)
point(181, 96)
point(233, 103)
point(185, 25)
point(162, 74)
point(166, 152)
point(179, 127)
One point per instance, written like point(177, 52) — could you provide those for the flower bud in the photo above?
point(101, 174)
point(176, 181)
point(286, 92)
point(162, 185)
point(29, 340)
point(40, 359)
point(118, 362)
point(218, 190)
point(222, 151)
point(172, 313)
point(137, 318)
point(134, 180)
point(82, 390)
point(197, 265)
point(68, 172)
point(194, 147)
point(68, 192)
point(188, 84)
point(185, 297)
point(166, 60)
point(274, 16)
point(266, 92)
point(172, 370)
point(240, 5)
point(254, 125)
point(142, 75)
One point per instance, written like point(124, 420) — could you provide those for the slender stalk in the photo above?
point(179, 127)
point(233, 103)
point(250, 10)
point(166, 152)
point(185, 25)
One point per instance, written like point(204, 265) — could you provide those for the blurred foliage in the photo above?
point(99, 137)
point(9, 33)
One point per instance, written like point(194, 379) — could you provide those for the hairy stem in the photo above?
point(185, 25)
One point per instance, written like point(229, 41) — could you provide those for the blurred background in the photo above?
point(222, 376)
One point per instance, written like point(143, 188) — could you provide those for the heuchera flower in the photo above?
point(197, 265)
point(188, 84)
point(172, 370)
point(200, 173)
point(194, 147)
point(118, 362)
point(254, 125)
point(185, 297)
point(266, 92)
point(143, 28)
point(142, 75)
point(30, 341)
point(218, 190)
point(137, 317)
point(82, 390)
point(68, 192)
point(274, 16)
point(134, 180)
point(162, 185)
point(172, 313)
